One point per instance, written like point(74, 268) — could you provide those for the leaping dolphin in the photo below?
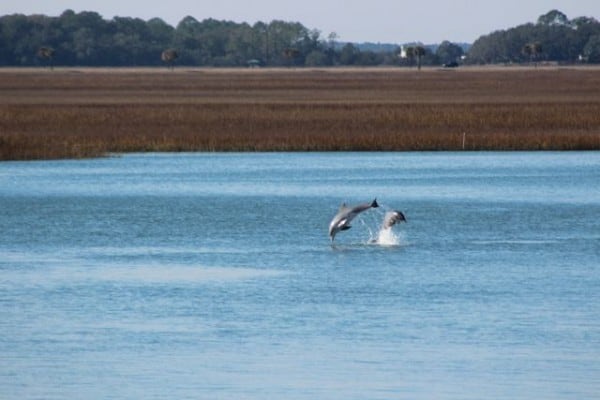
point(391, 218)
point(341, 221)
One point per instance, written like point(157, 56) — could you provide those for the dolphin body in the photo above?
point(341, 221)
point(391, 218)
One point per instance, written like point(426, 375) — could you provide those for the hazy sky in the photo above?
point(395, 21)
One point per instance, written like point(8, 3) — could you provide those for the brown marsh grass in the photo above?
point(86, 113)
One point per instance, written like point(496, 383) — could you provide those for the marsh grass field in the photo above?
point(76, 113)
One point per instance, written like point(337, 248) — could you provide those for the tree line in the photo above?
point(87, 39)
point(554, 37)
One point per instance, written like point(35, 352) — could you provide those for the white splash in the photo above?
point(387, 237)
point(378, 234)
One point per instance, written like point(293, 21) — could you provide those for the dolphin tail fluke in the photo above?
point(374, 204)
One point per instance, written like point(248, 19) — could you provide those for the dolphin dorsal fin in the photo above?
point(343, 207)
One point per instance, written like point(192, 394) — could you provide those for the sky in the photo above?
point(383, 21)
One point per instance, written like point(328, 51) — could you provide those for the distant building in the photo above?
point(403, 52)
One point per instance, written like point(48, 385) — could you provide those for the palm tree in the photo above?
point(409, 53)
point(419, 53)
point(290, 54)
point(46, 54)
point(532, 50)
point(169, 56)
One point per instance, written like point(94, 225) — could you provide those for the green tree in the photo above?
point(131, 41)
point(449, 52)
point(317, 58)
point(186, 39)
point(88, 39)
point(369, 58)
point(260, 42)
point(591, 51)
point(584, 28)
point(285, 35)
point(553, 17)
point(349, 54)
point(16, 30)
point(159, 31)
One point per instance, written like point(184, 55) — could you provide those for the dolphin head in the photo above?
point(399, 216)
point(393, 217)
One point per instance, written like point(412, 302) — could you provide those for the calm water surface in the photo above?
point(211, 276)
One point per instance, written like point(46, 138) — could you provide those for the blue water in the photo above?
point(211, 276)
